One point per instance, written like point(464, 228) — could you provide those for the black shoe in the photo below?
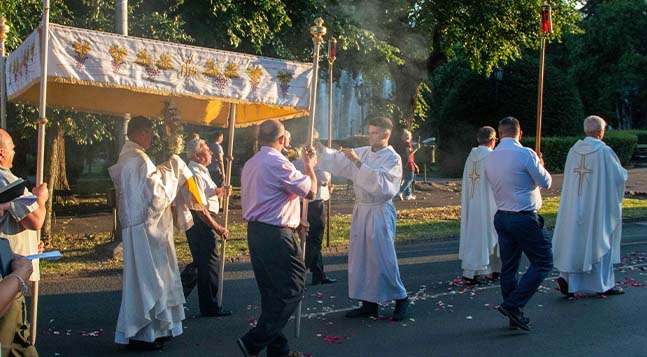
point(477, 280)
point(516, 318)
point(563, 287)
point(137, 345)
point(218, 313)
point(243, 348)
point(495, 276)
point(325, 280)
point(616, 290)
point(401, 307)
point(513, 326)
point(368, 309)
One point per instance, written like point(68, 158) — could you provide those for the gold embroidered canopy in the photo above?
point(112, 74)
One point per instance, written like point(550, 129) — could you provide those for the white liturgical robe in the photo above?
point(478, 238)
point(586, 240)
point(152, 299)
point(373, 273)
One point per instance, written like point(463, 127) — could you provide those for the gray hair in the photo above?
point(593, 123)
point(406, 134)
point(485, 134)
point(193, 147)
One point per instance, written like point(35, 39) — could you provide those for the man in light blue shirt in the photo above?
point(515, 174)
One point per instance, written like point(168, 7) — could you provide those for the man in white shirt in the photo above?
point(376, 171)
point(586, 241)
point(317, 224)
point(152, 303)
point(270, 191)
point(515, 174)
point(478, 249)
point(19, 222)
point(217, 166)
point(202, 235)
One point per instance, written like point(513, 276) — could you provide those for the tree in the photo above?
point(609, 61)
point(82, 128)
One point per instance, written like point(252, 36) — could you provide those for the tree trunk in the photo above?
point(56, 177)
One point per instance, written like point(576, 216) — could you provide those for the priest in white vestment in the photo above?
point(478, 249)
point(586, 241)
point(376, 170)
point(152, 299)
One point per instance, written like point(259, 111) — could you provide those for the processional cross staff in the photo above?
point(332, 56)
point(546, 29)
point(318, 31)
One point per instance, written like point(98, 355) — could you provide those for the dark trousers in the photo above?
point(317, 221)
point(203, 271)
point(280, 275)
point(522, 233)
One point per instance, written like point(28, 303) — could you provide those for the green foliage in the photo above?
point(555, 149)
point(464, 100)
point(609, 60)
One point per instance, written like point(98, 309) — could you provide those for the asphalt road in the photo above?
point(78, 317)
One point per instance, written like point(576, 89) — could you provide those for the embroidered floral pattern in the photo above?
point(285, 77)
point(82, 50)
point(118, 55)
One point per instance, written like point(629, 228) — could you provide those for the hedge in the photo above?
point(555, 149)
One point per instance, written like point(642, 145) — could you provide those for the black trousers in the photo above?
point(203, 271)
point(280, 275)
point(317, 221)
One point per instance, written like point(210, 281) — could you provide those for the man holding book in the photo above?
point(19, 220)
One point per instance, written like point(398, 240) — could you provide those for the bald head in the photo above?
point(594, 126)
point(270, 133)
point(5, 140)
point(6, 150)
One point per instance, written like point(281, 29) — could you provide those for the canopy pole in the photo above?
point(4, 29)
point(227, 183)
point(332, 56)
point(40, 153)
point(317, 31)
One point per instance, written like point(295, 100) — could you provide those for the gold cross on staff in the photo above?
point(475, 176)
point(582, 170)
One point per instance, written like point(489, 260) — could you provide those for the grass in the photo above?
point(85, 255)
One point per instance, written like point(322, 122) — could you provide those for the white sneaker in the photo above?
point(410, 197)
point(400, 197)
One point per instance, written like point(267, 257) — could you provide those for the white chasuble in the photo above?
point(152, 298)
point(373, 273)
point(478, 238)
point(589, 221)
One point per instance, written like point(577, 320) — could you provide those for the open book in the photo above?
point(12, 190)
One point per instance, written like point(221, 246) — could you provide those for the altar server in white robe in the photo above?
point(586, 241)
point(478, 249)
point(152, 299)
point(376, 170)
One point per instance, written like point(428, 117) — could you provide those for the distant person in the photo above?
point(217, 166)
point(19, 223)
point(317, 222)
point(201, 237)
point(409, 167)
point(478, 250)
point(586, 240)
point(373, 273)
point(152, 302)
point(515, 174)
point(270, 190)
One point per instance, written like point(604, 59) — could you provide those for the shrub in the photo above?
point(555, 149)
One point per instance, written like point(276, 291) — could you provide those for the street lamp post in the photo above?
point(546, 29)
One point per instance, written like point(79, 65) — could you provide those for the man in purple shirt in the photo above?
point(515, 174)
point(270, 191)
